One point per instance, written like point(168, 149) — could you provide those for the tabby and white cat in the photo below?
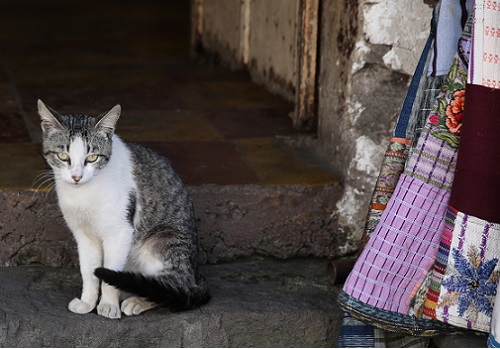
point(130, 214)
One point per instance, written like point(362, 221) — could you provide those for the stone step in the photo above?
point(259, 302)
point(233, 222)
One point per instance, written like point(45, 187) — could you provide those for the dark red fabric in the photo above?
point(476, 187)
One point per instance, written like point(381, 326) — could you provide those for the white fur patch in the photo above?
point(77, 172)
point(142, 260)
point(77, 154)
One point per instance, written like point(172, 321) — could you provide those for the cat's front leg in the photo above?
point(90, 255)
point(109, 306)
point(116, 251)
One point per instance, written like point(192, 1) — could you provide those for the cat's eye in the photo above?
point(92, 158)
point(63, 156)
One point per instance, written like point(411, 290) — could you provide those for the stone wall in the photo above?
point(233, 222)
point(368, 50)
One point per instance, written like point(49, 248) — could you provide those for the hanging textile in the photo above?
point(432, 259)
point(385, 282)
point(437, 54)
point(466, 272)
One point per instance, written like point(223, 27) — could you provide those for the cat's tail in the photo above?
point(157, 290)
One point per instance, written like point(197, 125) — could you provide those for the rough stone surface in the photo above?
point(365, 129)
point(472, 340)
point(233, 222)
point(358, 101)
point(32, 230)
point(277, 221)
point(395, 25)
point(257, 303)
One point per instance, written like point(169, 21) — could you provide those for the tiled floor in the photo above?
point(215, 125)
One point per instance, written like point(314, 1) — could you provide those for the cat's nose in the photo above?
point(76, 178)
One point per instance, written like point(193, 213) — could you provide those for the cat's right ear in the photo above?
point(107, 123)
point(48, 121)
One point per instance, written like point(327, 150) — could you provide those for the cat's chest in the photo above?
point(91, 202)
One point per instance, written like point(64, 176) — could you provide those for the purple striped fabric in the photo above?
point(432, 161)
point(402, 248)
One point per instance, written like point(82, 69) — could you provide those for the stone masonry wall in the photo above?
point(368, 51)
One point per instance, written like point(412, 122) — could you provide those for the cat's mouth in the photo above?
point(71, 182)
point(75, 183)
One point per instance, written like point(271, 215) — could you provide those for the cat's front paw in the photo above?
point(135, 306)
point(108, 310)
point(80, 307)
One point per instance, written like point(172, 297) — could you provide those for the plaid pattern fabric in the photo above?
point(397, 256)
point(433, 161)
point(356, 334)
point(397, 154)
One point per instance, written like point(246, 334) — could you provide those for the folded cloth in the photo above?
point(452, 18)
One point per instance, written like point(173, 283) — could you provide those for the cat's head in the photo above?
point(77, 146)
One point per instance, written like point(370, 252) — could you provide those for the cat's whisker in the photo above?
point(43, 174)
point(43, 182)
point(42, 179)
point(46, 183)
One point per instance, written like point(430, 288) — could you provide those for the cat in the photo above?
point(130, 214)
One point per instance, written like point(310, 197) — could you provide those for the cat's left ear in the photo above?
point(108, 122)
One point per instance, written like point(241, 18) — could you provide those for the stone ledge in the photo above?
point(256, 303)
point(233, 222)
